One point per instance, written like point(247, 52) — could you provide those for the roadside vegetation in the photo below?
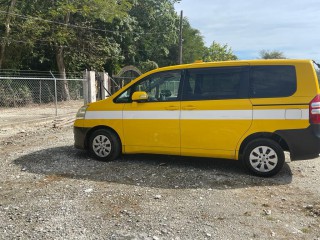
point(68, 35)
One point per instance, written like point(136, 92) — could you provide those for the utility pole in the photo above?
point(180, 38)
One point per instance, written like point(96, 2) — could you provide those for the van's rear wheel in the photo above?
point(263, 157)
point(104, 145)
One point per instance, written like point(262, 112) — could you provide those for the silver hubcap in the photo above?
point(263, 159)
point(101, 146)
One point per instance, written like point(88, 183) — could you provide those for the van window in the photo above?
point(272, 81)
point(214, 83)
point(160, 87)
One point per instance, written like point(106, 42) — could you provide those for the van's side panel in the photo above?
point(213, 128)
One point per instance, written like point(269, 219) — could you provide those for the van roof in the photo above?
point(236, 63)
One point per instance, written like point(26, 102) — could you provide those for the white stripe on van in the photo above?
point(151, 115)
point(217, 114)
point(274, 114)
point(269, 114)
point(103, 115)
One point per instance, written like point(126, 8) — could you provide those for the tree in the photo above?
point(266, 54)
point(73, 35)
point(193, 45)
point(5, 33)
point(218, 52)
point(156, 30)
point(147, 66)
point(73, 32)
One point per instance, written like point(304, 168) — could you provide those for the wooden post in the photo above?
point(106, 85)
point(92, 87)
point(85, 87)
point(89, 87)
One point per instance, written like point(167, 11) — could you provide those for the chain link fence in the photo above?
point(25, 88)
point(31, 93)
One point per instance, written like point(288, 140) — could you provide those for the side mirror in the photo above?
point(139, 96)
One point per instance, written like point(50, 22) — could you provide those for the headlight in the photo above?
point(81, 112)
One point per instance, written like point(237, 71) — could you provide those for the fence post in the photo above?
point(40, 92)
point(106, 85)
point(92, 86)
point(85, 87)
point(55, 93)
point(89, 87)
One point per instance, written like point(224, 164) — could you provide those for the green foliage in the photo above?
point(157, 30)
point(193, 44)
point(147, 66)
point(218, 52)
point(14, 94)
point(77, 26)
point(266, 54)
point(101, 35)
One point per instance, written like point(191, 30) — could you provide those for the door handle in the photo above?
point(189, 107)
point(172, 108)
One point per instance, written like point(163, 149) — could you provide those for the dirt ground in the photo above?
point(50, 190)
point(34, 114)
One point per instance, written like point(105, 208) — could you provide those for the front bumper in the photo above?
point(80, 134)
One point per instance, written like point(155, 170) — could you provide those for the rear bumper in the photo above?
point(302, 143)
point(80, 137)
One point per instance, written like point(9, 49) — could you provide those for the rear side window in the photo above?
point(272, 81)
point(215, 83)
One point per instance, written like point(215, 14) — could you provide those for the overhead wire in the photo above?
point(48, 44)
point(64, 46)
point(78, 26)
point(33, 74)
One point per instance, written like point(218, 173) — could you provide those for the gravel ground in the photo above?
point(49, 190)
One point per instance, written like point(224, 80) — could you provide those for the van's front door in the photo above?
point(153, 126)
point(215, 111)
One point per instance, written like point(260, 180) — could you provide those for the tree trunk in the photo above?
point(62, 71)
point(7, 31)
point(61, 66)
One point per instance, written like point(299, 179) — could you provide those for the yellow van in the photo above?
point(251, 111)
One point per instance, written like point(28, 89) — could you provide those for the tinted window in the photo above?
point(214, 83)
point(272, 81)
point(160, 87)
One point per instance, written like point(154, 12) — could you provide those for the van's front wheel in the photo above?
point(263, 157)
point(104, 145)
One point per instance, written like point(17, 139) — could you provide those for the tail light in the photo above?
point(314, 110)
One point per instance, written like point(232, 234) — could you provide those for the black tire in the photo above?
point(104, 145)
point(263, 157)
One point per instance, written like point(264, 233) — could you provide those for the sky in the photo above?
point(289, 26)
